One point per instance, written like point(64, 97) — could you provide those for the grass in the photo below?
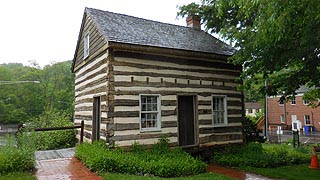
point(293, 172)
point(205, 176)
point(18, 176)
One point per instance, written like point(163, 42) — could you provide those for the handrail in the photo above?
point(81, 126)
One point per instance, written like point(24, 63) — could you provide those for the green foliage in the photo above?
point(18, 176)
point(13, 159)
point(22, 101)
point(258, 155)
point(159, 161)
point(48, 139)
point(250, 131)
point(293, 172)
point(277, 40)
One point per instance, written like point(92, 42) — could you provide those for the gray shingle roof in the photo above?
point(132, 30)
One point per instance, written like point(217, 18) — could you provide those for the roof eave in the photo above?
point(164, 50)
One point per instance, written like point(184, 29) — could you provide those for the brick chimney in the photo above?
point(193, 22)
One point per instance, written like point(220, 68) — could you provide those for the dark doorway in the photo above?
point(186, 121)
point(96, 119)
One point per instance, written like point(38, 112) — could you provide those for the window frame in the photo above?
point(306, 102)
point(225, 113)
point(305, 119)
point(293, 101)
point(158, 128)
point(282, 119)
point(86, 45)
point(281, 103)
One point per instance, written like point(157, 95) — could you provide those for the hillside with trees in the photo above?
point(19, 100)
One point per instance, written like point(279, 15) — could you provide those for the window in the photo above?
point(305, 102)
point(282, 120)
point(219, 110)
point(281, 102)
point(150, 113)
point(293, 101)
point(250, 111)
point(257, 110)
point(307, 119)
point(86, 45)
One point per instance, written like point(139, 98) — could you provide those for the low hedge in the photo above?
point(13, 159)
point(159, 161)
point(258, 155)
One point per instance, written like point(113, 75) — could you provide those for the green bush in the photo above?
point(258, 155)
point(48, 139)
point(159, 161)
point(13, 159)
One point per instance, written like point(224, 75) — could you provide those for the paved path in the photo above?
point(61, 165)
point(233, 173)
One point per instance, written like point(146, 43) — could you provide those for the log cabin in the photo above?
point(137, 80)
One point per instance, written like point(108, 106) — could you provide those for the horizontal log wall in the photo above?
point(92, 80)
point(135, 74)
point(96, 41)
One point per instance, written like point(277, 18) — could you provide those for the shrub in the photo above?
point(258, 155)
point(13, 159)
point(159, 161)
point(48, 139)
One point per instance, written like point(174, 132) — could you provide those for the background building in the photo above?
point(293, 114)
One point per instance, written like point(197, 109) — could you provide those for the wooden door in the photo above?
point(96, 119)
point(186, 120)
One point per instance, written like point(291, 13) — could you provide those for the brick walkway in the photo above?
point(62, 168)
point(233, 173)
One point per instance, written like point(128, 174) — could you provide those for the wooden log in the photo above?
point(142, 136)
point(181, 61)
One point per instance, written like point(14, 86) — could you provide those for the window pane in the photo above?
point(218, 107)
point(149, 103)
point(143, 121)
point(307, 118)
point(149, 112)
point(149, 120)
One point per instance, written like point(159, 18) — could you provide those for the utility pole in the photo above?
point(266, 111)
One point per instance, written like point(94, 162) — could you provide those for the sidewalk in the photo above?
point(60, 164)
point(233, 173)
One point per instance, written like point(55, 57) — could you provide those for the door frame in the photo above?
point(96, 118)
point(195, 120)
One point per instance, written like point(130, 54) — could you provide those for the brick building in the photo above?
point(293, 114)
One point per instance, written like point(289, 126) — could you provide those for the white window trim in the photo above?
point(282, 120)
point(225, 114)
point(305, 119)
point(282, 103)
point(294, 102)
point(86, 41)
point(158, 128)
point(304, 102)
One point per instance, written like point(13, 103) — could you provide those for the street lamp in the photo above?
point(17, 82)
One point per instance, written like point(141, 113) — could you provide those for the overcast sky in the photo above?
point(46, 31)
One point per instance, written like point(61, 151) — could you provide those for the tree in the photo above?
point(22, 101)
point(277, 40)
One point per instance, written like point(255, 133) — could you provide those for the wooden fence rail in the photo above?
point(81, 126)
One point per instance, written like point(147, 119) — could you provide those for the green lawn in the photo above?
point(18, 176)
point(294, 172)
point(206, 176)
